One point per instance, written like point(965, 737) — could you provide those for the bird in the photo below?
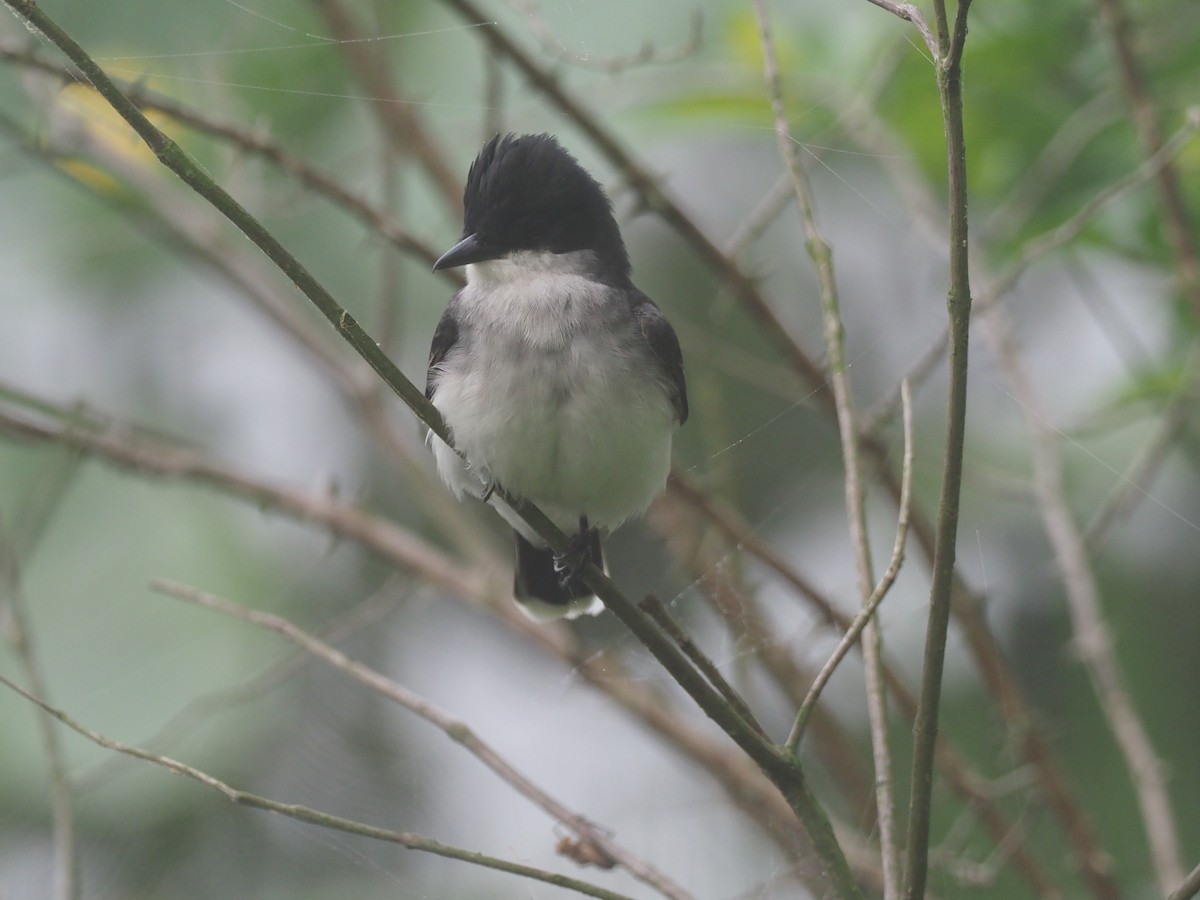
point(558, 380)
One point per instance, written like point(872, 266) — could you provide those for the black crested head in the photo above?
point(525, 192)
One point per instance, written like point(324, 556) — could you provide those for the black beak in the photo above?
point(469, 250)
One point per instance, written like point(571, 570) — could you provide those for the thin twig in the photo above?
point(1093, 862)
point(881, 589)
point(1090, 634)
point(1057, 156)
point(603, 848)
point(716, 569)
point(821, 255)
point(19, 632)
point(258, 144)
point(993, 289)
point(909, 13)
point(405, 839)
point(1071, 228)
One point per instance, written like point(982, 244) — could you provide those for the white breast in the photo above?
point(551, 398)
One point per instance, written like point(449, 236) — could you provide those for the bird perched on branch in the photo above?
point(558, 379)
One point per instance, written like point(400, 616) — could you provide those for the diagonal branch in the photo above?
point(405, 839)
point(910, 13)
point(603, 849)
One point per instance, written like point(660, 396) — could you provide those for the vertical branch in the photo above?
point(1091, 637)
point(19, 631)
point(958, 302)
point(821, 255)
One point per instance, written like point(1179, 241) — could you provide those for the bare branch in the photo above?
point(1091, 638)
point(942, 588)
point(850, 638)
point(821, 255)
point(251, 142)
point(910, 13)
point(605, 851)
point(405, 128)
point(405, 839)
point(18, 629)
point(653, 606)
point(200, 709)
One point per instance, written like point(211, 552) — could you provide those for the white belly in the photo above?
point(566, 417)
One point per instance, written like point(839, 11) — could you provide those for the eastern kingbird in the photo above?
point(558, 379)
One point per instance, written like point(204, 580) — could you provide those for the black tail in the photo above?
point(537, 580)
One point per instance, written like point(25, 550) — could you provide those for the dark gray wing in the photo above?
point(665, 345)
point(444, 337)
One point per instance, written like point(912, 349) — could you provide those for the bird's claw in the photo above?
point(570, 564)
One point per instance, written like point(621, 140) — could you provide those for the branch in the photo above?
point(200, 709)
point(654, 608)
point(405, 839)
point(1090, 634)
point(821, 255)
point(19, 632)
point(602, 849)
point(958, 302)
point(1071, 228)
point(850, 638)
point(910, 13)
point(401, 122)
point(370, 215)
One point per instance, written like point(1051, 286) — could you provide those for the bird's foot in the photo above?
point(570, 565)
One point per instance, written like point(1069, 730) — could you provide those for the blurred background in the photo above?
point(172, 408)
